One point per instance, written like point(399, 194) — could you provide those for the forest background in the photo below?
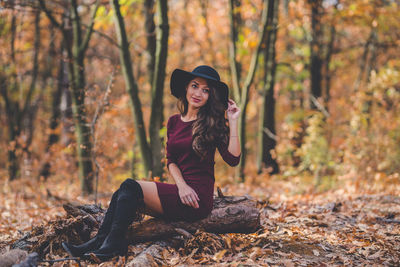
point(84, 96)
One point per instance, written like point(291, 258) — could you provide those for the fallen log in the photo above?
point(230, 215)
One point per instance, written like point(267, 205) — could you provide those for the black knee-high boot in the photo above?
point(95, 242)
point(130, 201)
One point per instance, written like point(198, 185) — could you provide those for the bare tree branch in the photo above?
point(89, 31)
point(50, 15)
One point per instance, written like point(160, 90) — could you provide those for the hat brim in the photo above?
point(180, 78)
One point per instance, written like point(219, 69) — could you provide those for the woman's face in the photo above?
point(197, 92)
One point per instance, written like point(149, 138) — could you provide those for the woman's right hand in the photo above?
point(188, 196)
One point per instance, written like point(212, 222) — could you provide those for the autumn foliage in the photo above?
point(334, 198)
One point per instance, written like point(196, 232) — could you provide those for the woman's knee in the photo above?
point(133, 186)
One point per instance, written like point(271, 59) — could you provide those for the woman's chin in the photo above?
point(196, 105)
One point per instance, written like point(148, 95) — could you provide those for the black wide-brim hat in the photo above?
point(180, 78)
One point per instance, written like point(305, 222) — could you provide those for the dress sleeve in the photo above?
point(170, 157)
point(227, 156)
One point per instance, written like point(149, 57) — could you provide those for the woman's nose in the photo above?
point(197, 92)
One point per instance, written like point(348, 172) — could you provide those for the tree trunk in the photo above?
point(150, 29)
point(327, 70)
point(76, 48)
point(12, 110)
point(56, 114)
point(66, 110)
point(235, 23)
point(157, 106)
point(16, 112)
point(371, 65)
point(82, 131)
point(242, 95)
point(131, 86)
point(316, 58)
point(29, 117)
point(266, 131)
point(364, 59)
point(77, 79)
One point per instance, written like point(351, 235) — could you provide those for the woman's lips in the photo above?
point(195, 99)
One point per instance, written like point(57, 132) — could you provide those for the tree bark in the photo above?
point(230, 215)
point(242, 95)
point(131, 86)
point(364, 60)
point(29, 117)
point(371, 65)
point(76, 50)
point(56, 114)
point(12, 110)
point(235, 23)
point(157, 106)
point(327, 70)
point(17, 112)
point(266, 131)
point(77, 78)
point(150, 28)
point(316, 57)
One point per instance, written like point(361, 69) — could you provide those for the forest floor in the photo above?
point(339, 226)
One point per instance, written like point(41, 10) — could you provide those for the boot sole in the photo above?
point(66, 248)
point(104, 257)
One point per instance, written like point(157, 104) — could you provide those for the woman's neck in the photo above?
point(191, 115)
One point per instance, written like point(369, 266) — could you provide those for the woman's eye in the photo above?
point(205, 91)
point(194, 86)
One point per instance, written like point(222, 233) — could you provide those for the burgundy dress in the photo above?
point(198, 174)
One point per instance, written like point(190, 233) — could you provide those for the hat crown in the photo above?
point(181, 78)
point(206, 70)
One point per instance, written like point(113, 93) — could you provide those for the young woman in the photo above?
point(193, 136)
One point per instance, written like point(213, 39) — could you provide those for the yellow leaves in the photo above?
point(248, 38)
point(104, 18)
point(124, 10)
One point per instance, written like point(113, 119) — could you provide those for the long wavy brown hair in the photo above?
point(211, 126)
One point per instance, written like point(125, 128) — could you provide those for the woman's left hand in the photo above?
point(233, 110)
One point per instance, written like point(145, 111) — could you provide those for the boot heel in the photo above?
point(124, 250)
point(67, 249)
point(115, 244)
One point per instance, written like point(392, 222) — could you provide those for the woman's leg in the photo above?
point(95, 243)
point(151, 198)
point(131, 194)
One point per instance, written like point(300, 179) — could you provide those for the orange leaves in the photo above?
point(156, 179)
point(306, 229)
